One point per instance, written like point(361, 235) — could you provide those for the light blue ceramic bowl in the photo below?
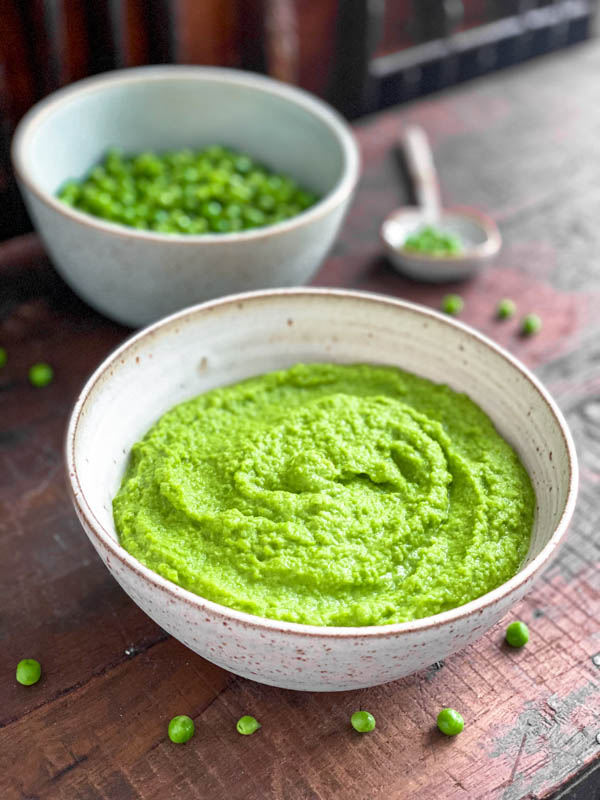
point(138, 276)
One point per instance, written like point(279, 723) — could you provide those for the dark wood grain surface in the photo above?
point(524, 145)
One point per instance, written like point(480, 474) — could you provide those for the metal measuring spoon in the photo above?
point(478, 233)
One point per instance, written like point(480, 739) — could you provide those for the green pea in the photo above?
point(233, 211)
point(114, 162)
point(506, 308)
point(218, 191)
point(247, 725)
point(3, 357)
point(190, 204)
point(222, 226)
point(183, 157)
point(362, 721)
point(450, 722)
point(40, 375)
point(108, 185)
point(142, 211)
point(191, 175)
point(181, 729)
point(531, 324)
point(226, 165)
point(98, 174)
point(70, 192)
point(243, 164)
point(129, 215)
point(127, 197)
point(203, 192)
point(292, 209)
point(266, 202)
point(29, 671)
point(213, 209)
point(517, 634)
point(183, 222)
point(160, 215)
point(199, 225)
point(254, 216)
point(215, 152)
point(305, 199)
point(147, 164)
point(101, 201)
point(452, 304)
point(221, 176)
point(258, 178)
point(240, 193)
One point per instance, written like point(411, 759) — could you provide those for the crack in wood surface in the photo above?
point(75, 763)
point(141, 649)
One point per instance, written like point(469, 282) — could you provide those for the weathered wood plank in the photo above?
point(94, 727)
point(117, 720)
point(207, 33)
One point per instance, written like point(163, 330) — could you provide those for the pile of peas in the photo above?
point(215, 190)
point(433, 242)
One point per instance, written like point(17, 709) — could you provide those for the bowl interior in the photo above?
point(232, 339)
point(171, 108)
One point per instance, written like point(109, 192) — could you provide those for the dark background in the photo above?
point(360, 55)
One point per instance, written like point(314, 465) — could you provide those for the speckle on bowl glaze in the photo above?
point(115, 410)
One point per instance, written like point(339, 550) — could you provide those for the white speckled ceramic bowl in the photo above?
point(138, 276)
point(233, 338)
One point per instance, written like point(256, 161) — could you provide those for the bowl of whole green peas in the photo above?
point(157, 187)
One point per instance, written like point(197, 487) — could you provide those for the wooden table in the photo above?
point(525, 145)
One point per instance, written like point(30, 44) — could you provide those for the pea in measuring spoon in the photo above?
point(433, 229)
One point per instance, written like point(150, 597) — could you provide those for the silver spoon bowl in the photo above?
point(478, 233)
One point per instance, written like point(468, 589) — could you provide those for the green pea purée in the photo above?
point(328, 495)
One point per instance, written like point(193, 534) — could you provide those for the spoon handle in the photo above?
point(421, 168)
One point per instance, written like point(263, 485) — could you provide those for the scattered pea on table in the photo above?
point(452, 304)
point(362, 721)
point(450, 722)
point(531, 324)
point(517, 634)
point(214, 190)
point(506, 308)
point(247, 725)
point(181, 729)
point(41, 375)
point(29, 671)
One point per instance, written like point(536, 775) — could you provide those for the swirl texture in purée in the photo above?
point(328, 495)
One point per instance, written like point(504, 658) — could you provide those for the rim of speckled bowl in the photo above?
point(173, 590)
point(37, 115)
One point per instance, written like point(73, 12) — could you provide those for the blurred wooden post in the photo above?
point(142, 31)
point(281, 40)
point(436, 20)
point(204, 32)
point(358, 32)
